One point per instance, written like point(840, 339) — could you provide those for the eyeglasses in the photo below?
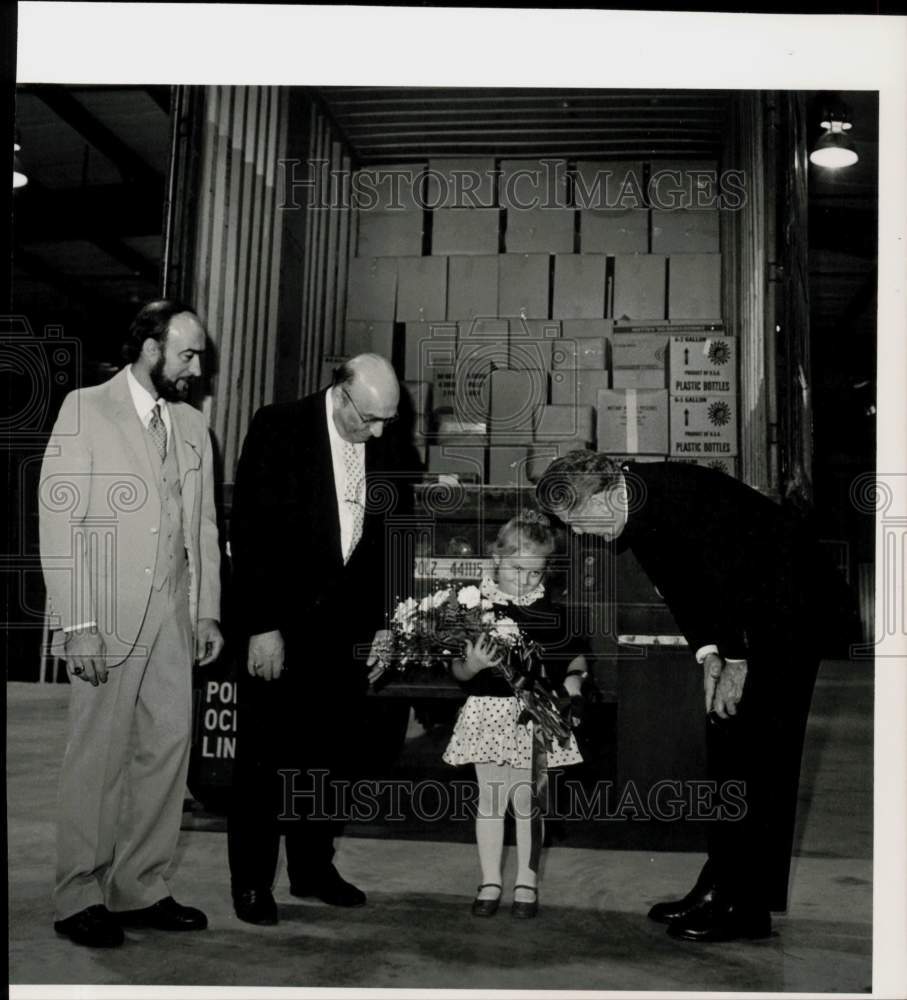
point(384, 421)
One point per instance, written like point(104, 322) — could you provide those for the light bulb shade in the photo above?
point(834, 150)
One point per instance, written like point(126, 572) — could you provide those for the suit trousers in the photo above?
point(123, 778)
point(760, 750)
point(294, 762)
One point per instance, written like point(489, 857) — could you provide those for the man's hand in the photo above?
point(265, 657)
point(380, 654)
point(723, 684)
point(84, 653)
point(208, 641)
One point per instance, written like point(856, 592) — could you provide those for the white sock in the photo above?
point(492, 781)
point(521, 798)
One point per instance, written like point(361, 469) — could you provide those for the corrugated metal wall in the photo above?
point(237, 255)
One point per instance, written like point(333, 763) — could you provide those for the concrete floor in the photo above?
point(416, 932)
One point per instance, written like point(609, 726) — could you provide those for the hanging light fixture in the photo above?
point(20, 178)
point(834, 148)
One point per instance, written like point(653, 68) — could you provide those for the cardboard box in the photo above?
point(477, 358)
point(639, 361)
point(579, 286)
point(579, 328)
point(609, 184)
point(389, 189)
point(516, 398)
point(531, 341)
point(415, 406)
point(528, 184)
point(587, 353)
point(726, 465)
point(465, 231)
point(460, 182)
point(472, 287)
point(389, 234)
point(372, 288)
point(559, 422)
point(422, 289)
point(485, 329)
point(703, 426)
point(683, 184)
point(523, 285)
point(694, 286)
point(632, 421)
point(426, 346)
point(685, 231)
point(369, 336)
point(539, 230)
point(465, 463)
point(613, 231)
point(578, 388)
point(542, 455)
point(704, 364)
point(508, 465)
point(639, 286)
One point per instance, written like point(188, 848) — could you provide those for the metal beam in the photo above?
point(76, 115)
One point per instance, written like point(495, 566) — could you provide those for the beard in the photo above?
point(173, 392)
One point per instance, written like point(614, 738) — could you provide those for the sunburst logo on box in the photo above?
point(719, 413)
point(719, 352)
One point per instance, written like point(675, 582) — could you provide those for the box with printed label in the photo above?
point(372, 288)
point(465, 231)
point(632, 421)
point(460, 182)
point(703, 426)
point(705, 363)
point(586, 352)
point(579, 286)
point(640, 286)
point(613, 231)
point(539, 230)
point(389, 234)
point(685, 231)
point(523, 282)
point(694, 286)
point(555, 423)
point(527, 184)
point(363, 336)
point(683, 184)
point(579, 328)
point(472, 287)
point(578, 388)
point(464, 462)
point(508, 465)
point(609, 184)
point(395, 189)
point(421, 289)
point(516, 398)
point(639, 361)
point(477, 357)
point(426, 346)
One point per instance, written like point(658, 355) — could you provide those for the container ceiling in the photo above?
point(401, 124)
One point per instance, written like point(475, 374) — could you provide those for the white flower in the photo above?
point(486, 604)
point(440, 597)
point(506, 630)
point(469, 597)
point(488, 618)
point(425, 603)
point(405, 611)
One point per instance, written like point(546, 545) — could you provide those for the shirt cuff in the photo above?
point(738, 662)
point(704, 651)
point(75, 628)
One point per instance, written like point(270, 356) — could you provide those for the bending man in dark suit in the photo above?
point(741, 578)
point(315, 483)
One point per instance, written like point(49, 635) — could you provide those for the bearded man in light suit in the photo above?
point(130, 554)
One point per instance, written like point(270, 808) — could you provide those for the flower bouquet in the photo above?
point(429, 633)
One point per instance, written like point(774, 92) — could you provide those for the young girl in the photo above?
point(486, 732)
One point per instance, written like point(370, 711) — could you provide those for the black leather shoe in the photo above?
point(524, 910)
point(329, 887)
point(93, 927)
point(701, 894)
point(165, 915)
point(255, 906)
point(723, 922)
point(487, 907)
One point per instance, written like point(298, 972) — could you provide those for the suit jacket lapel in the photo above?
point(325, 465)
point(127, 420)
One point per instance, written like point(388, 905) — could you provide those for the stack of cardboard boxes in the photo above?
point(533, 309)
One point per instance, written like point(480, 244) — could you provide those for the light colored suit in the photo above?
point(103, 515)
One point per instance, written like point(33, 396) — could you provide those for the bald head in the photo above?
point(366, 395)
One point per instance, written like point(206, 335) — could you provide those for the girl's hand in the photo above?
point(482, 654)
